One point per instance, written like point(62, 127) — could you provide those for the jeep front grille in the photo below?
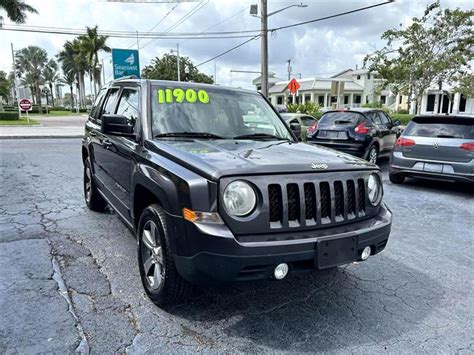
point(316, 203)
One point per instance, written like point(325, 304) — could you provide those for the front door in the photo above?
point(119, 152)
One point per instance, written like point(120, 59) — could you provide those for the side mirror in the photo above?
point(116, 125)
point(397, 123)
point(296, 129)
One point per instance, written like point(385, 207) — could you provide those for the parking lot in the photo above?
point(416, 296)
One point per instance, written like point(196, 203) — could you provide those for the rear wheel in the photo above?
point(396, 178)
point(372, 154)
point(162, 282)
point(92, 196)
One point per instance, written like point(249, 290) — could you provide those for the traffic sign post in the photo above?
point(293, 86)
point(125, 62)
point(25, 105)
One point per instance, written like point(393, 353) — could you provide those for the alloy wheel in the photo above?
point(373, 155)
point(152, 255)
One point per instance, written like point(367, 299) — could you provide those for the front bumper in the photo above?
point(223, 258)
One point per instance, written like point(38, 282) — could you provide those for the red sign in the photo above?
point(25, 104)
point(293, 86)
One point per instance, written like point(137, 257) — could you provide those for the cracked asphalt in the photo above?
point(69, 278)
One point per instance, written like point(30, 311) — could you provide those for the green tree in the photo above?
point(32, 60)
point(5, 88)
point(16, 10)
point(165, 68)
point(90, 45)
point(69, 79)
point(73, 60)
point(434, 49)
point(50, 76)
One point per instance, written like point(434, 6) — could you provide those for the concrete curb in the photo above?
point(41, 137)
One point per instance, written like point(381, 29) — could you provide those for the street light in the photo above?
point(264, 34)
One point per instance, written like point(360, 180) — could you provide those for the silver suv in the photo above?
point(437, 147)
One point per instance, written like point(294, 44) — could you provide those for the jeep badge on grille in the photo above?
point(319, 166)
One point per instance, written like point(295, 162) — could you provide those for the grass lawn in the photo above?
point(20, 122)
point(56, 113)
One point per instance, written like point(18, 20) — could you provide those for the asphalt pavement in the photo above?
point(69, 278)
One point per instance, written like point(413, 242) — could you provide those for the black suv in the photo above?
point(217, 188)
point(366, 133)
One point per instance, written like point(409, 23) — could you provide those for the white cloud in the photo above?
point(318, 48)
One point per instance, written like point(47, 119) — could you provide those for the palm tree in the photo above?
point(50, 75)
point(16, 10)
point(91, 44)
point(73, 60)
point(32, 60)
point(28, 81)
point(69, 79)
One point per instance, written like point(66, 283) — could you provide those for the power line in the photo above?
point(299, 24)
point(331, 16)
point(229, 50)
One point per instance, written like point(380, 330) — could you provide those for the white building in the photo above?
point(437, 101)
point(359, 87)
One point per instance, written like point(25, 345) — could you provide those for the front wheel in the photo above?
point(373, 154)
point(162, 282)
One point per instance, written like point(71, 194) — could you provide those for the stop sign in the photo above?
point(25, 104)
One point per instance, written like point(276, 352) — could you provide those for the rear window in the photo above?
point(339, 118)
point(441, 127)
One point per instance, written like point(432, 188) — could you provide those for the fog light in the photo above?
point(365, 253)
point(281, 271)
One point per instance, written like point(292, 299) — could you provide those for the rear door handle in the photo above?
point(93, 134)
point(106, 143)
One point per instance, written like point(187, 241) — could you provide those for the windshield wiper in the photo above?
point(260, 136)
point(205, 135)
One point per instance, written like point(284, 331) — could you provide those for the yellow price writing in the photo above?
point(167, 96)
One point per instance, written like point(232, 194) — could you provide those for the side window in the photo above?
point(294, 121)
point(95, 112)
point(128, 105)
point(375, 118)
point(385, 119)
point(109, 104)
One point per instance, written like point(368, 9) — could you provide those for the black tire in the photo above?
point(169, 288)
point(396, 178)
point(94, 200)
point(372, 154)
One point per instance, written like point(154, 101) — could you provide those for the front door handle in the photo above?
point(93, 134)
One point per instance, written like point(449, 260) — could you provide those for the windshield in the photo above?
point(213, 113)
point(441, 127)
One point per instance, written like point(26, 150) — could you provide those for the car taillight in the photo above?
point(405, 142)
point(467, 146)
point(314, 127)
point(362, 128)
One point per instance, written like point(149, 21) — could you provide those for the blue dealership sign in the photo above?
point(125, 62)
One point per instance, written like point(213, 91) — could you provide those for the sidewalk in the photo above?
point(49, 127)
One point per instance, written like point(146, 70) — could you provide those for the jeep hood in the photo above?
point(217, 158)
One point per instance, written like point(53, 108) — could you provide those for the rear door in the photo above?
point(382, 132)
point(439, 139)
point(389, 134)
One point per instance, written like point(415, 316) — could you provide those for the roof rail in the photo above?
point(127, 77)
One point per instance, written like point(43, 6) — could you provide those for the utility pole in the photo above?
point(15, 95)
point(215, 72)
point(289, 69)
point(264, 46)
point(177, 59)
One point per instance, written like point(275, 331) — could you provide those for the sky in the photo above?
point(318, 49)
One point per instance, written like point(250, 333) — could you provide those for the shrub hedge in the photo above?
point(8, 116)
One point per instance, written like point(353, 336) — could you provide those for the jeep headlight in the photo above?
point(374, 189)
point(239, 198)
